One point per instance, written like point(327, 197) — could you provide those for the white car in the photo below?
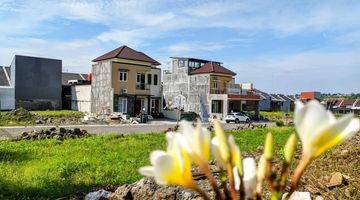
point(237, 118)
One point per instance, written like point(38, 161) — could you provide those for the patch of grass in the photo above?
point(58, 113)
point(53, 169)
point(26, 118)
point(276, 115)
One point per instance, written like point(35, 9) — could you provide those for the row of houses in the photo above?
point(129, 81)
point(341, 105)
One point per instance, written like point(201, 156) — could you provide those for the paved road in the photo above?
point(158, 126)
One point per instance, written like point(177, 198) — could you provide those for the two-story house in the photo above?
point(207, 88)
point(127, 81)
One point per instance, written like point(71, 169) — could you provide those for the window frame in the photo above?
point(156, 79)
point(149, 79)
point(122, 76)
point(122, 107)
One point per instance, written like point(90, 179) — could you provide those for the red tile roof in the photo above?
point(213, 67)
point(126, 52)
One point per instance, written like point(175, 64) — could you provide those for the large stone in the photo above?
point(336, 180)
point(298, 196)
point(101, 194)
point(147, 189)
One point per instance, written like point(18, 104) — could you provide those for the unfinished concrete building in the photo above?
point(127, 81)
point(206, 87)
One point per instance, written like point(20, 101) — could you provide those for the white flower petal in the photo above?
point(249, 177)
point(147, 171)
point(335, 134)
point(236, 178)
point(163, 168)
point(154, 155)
point(310, 119)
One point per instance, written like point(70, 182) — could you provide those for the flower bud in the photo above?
point(290, 148)
point(269, 146)
point(261, 170)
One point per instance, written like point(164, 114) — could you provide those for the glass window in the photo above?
point(123, 76)
point(181, 63)
point(216, 106)
point(149, 78)
point(122, 105)
point(155, 79)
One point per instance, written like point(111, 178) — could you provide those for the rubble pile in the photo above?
point(114, 118)
point(60, 134)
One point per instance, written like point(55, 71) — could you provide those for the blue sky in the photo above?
point(280, 46)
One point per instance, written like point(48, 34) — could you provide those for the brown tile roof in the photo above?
point(357, 103)
point(126, 52)
point(213, 67)
point(348, 102)
point(249, 97)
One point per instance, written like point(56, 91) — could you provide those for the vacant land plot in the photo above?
point(52, 169)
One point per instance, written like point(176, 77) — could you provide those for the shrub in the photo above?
point(279, 123)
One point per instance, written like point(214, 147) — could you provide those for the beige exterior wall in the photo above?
point(130, 84)
point(221, 80)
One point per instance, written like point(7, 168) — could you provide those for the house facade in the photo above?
point(34, 83)
point(7, 90)
point(205, 87)
point(127, 81)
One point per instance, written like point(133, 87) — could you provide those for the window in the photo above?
point(123, 76)
point(122, 105)
point(155, 79)
point(216, 106)
point(191, 64)
point(149, 79)
point(181, 63)
point(215, 85)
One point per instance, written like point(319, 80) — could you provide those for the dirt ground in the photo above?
point(344, 159)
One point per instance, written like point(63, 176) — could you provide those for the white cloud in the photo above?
point(336, 71)
point(185, 48)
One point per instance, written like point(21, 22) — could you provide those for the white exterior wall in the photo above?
point(7, 98)
point(156, 90)
point(81, 98)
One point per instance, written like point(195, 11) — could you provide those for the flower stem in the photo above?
point(206, 169)
point(201, 192)
point(304, 162)
point(233, 192)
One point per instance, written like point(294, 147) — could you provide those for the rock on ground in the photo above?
point(147, 189)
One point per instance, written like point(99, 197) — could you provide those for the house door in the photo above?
point(137, 106)
point(154, 105)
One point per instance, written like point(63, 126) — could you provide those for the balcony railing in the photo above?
point(142, 86)
point(231, 89)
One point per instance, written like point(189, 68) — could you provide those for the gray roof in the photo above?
point(285, 97)
point(262, 94)
point(4, 76)
point(66, 77)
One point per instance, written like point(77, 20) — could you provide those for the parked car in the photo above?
point(237, 118)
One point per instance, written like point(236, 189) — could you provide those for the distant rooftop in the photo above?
point(213, 67)
point(126, 52)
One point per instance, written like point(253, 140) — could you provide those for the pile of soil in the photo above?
point(60, 134)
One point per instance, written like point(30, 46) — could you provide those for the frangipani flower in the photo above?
point(172, 167)
point(198, 142)
point(319, 130)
